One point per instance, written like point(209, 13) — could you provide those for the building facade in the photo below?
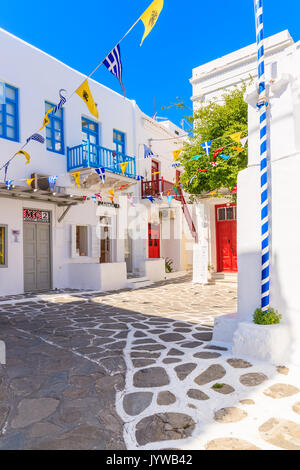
point(89, 234)
point(209, 81)
point(280, 343)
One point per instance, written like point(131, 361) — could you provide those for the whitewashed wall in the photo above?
point(284, 153)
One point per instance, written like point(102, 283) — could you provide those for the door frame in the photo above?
point(219, 206)
point(50, 242)
point(159, 244)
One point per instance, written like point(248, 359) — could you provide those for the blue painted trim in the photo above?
point(53, 119)
point(120, 144)
point(15, 115)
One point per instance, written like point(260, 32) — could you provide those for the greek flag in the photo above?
point(39, 138)
point(140, 178)
point(206, 146)
point(114, 64)
point(148, 152)
point(6, 170)
point(52, 181)
point(101, 173)
point(9, 184)
point(61, 102)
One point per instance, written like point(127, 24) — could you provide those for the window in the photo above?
point(81, 240)
point(89, 131)
point(3, 246)
point(226, 213)
point(119, 141)
point(55, 130)
point(9, 113)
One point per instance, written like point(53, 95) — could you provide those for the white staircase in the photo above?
point(138, 282)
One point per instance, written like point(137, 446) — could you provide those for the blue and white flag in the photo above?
point(93, 198)
point(6, 170)
point(38, 137)
point(9, 184)
point(151, 199)
point(140, 178)
point(175, 164)
point(101, 173)
point(61, 102)
point(148, 152)
point(52, 181)
point(114, 64)
point(206, 146)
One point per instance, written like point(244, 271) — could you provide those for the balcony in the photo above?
point(87, 155)
point(155, 187)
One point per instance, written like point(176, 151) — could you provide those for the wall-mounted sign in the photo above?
point(32, 215)
point(108, 204)
point(15, 236)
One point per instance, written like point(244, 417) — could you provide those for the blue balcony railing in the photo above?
point(87, 155)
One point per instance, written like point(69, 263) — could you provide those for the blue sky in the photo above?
point(188, 33)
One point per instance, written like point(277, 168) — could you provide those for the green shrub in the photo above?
point(269, 317)
point(217, 386)
point(169, 265)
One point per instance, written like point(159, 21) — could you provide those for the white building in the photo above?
point(277, 343)
point(209, 82)
point(61, 238)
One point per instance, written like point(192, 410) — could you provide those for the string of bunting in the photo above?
point(112, 62)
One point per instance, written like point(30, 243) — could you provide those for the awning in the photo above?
point(27, 194)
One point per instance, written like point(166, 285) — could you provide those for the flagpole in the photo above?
point(263, 107)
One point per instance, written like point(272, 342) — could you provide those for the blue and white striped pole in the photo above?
point(263, 105)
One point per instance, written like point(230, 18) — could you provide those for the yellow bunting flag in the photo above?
point(176, 154)
point(213, 193)
point(123, 166)
point(76, 176)
point(236, 137)
point(29, 181)
point(85, 93)
point(112, 193)
point(26, 155)
point(150, 16)
point(46, 119)
point(238, 149)
point(155, 173)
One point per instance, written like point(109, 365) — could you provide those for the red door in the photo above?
point(226, 238)
point(154, 240)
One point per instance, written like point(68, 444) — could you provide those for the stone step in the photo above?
point(139, 282)
point(225, 278)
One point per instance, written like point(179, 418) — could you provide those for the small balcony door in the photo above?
point(155, 170)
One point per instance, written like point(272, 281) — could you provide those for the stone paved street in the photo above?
point(137, 370)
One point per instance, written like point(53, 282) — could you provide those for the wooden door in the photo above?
point(29, 238)
point(37, 262)
point(226, 231)
point(43, 271)
point(154, 240)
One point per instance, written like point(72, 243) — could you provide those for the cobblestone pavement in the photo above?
point(137, 370)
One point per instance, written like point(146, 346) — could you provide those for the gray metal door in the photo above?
point(29, 257)
point(37, 265)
